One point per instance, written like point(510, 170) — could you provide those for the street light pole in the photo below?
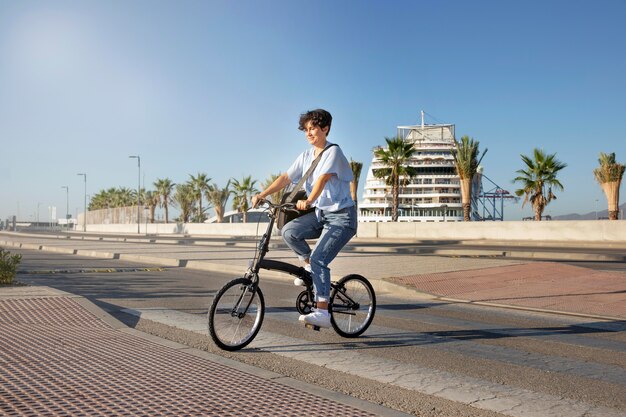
point(67, 206)
point(85, 204)
point(138, 191)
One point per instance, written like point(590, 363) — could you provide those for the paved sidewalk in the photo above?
point(60, 355)
point(539, 286)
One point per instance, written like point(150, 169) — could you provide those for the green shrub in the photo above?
point(8, 266)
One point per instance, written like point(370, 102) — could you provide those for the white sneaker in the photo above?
point(320, 318)
point(299, 282)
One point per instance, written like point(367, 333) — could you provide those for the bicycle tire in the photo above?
point(352, 306)
point(231, 328)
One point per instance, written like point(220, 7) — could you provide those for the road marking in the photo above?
point(88, 271)
point(475, 392)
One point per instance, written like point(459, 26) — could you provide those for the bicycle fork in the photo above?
point(236, 311)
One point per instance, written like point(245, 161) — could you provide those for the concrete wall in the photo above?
point(584, 230)
point(213, 229)
point(157, 228)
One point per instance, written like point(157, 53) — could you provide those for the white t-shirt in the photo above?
point(336, 194)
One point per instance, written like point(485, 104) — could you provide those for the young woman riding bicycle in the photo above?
point(334, 220)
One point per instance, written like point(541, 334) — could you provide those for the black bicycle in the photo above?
point(237, 311)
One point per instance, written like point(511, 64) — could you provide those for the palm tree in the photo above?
point(354, 184)
point(164, 189)
point(151, 199)
point(111, 197)
point(466, 159)
point(185, 198)
point(115, 197)
point(395, 159)
point(538, 179)
point(218, 197)
point(125, 197)
point(99, 201)
point(243, 191)
point(200, 185)
point(610, 175)
point(277, 196)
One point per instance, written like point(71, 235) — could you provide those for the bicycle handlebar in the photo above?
point(282, 206)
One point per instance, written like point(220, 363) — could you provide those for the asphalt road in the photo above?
point(563, 364)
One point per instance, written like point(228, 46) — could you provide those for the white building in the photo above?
point(433, 195)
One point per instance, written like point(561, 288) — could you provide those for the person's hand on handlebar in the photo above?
point(303, 205)
point(257, 199)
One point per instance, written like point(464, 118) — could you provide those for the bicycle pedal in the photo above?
point(312, 327)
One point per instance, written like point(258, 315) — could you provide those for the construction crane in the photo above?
point(488, 198)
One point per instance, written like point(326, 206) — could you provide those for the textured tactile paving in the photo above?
point(57, 359)
point(543, 285)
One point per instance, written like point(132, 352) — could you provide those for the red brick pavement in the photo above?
point(541, 285)
point(58, 359)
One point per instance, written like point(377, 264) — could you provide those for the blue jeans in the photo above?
point(334, 230)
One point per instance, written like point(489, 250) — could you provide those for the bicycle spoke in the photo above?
point(353, 306)
point(236, 314)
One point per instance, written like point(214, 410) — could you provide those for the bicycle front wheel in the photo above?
point(352, 305)
point(236, 314)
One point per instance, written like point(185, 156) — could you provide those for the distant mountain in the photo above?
point(602, 214)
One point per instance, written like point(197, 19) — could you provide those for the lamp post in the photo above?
point(138, 191)
point(85, 204)
point(67, 206)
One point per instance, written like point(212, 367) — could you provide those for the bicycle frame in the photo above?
point(261, 263)
point(351, 305)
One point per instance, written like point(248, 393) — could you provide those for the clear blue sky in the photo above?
point(217, 87)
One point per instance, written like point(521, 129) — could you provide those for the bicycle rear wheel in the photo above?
point(352, 305)
point(236, 314)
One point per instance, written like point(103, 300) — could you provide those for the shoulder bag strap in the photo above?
point(308, 173)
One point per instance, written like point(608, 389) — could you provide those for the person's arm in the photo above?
point(281, 182)
point(315, 192)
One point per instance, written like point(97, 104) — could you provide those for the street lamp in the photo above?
point(85, 204)
point(67, 206)
point(444, 207)
point(138, 190)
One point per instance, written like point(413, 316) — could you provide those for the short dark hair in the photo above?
point(319, 117)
